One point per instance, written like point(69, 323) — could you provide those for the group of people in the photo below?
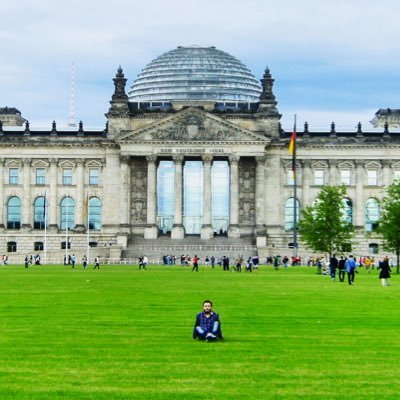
point(349, 265)
point(71, 260)
point(33, 259)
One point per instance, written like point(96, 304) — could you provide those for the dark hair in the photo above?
point(207, 301)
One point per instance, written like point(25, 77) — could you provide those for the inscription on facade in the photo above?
point(191, 151)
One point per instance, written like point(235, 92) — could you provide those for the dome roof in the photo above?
point(195, 74)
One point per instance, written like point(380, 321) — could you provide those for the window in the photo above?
point(220, 196)
point(289, 177)
point(67, 176)
point(289, 213)
point(94, 175)
point(92, 244)
point(38, 246)
point(347, 210)
point(372, 177)
point(165, 196)
point(373, 248)
point(95, 213)
point(67, 218)
point(14, 213)
point(397, 174)
point(12, 247)
point(13, 176)
point(319, 177)
point(372, 212)
point(40, 176)
point(39, 211)
point(345, 177)
point(63, 245)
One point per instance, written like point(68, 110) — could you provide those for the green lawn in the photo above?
point(120, 333)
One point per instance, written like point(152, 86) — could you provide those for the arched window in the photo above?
point(67, 218)
point(39, 213)
point(14, 213)
point(372, 211)
point(94, 213)
point(347, 210)
point(289, 213)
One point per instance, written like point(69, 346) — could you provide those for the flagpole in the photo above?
point(88, 229)
point(295, 246)
point(66, 227)
point(45, 229)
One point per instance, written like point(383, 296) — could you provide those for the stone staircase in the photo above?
point(190, 245)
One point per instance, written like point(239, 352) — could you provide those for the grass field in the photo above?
point(120, 333)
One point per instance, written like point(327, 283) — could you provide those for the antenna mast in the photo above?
point(72, 122)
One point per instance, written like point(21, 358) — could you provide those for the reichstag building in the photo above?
point(192, 159)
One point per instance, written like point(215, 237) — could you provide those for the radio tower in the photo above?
point(71, 121)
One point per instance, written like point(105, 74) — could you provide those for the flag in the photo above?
point(86, 205)
point(292, 149)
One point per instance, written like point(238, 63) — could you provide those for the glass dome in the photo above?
point(195, 74)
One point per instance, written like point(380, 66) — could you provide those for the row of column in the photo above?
point(207, 230)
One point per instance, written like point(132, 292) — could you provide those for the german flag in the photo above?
point(292, 149)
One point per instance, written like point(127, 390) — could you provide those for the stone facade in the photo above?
point(118, 167)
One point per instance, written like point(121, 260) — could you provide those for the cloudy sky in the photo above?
point(332, 60)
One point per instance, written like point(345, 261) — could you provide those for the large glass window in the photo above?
point(14, 213)
point(372, 211)
point(347, 210)
point(220, 196)
point(13, 176)
point(40, 176)
point(193, 196)
point(345, 177)
point(94, 176)
point(319, 177)
point(67, 176)
point(39, 213)
point(165, 195)
point(67, 218)
point(289, 177)
point(95, 213)
point(289, 213)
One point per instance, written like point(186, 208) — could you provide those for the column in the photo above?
point(53, 201)
point(27, 201)
point(151, 230)
point(306, 182)
point(333, 173)
point(80, 197)
point(124, 191)
point(2, 206)
point(207, 231)
point(234, 230)
point(386, 174)
point(260, 196)
point(178, 231)
point(359, 206)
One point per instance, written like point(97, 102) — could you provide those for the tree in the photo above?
point(323, 226)
point(389, 221)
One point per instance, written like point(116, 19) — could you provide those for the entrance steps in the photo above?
point(190, 245)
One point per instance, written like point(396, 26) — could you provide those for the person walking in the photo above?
point(385, 271)
point(333, 264)
point(84, 261)
point(350, 266)
point(195, 264)
point(342, 268)
point(97, 262)
point(26, 261)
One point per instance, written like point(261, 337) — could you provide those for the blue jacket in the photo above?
point(350, 264)
point(208, 324)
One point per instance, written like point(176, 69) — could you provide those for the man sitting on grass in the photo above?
point(207, 326)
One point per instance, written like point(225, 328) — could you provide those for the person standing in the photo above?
point(212, 261)
point(333, 264)
point(97, 262)
point(350, 266)
point(385, 271)
point(195, 264)
point(145, 262)
point(84, 261)
point(26, 261)
point(73, 260)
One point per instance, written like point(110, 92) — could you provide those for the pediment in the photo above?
point(373, 165)
point(13, 163)
point(192, 125)
point(346, 165)
point(319, 164)
point(93, 164)
point(40, 163)
point(66, 164)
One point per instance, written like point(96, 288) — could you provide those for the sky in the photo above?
point(332, 61)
